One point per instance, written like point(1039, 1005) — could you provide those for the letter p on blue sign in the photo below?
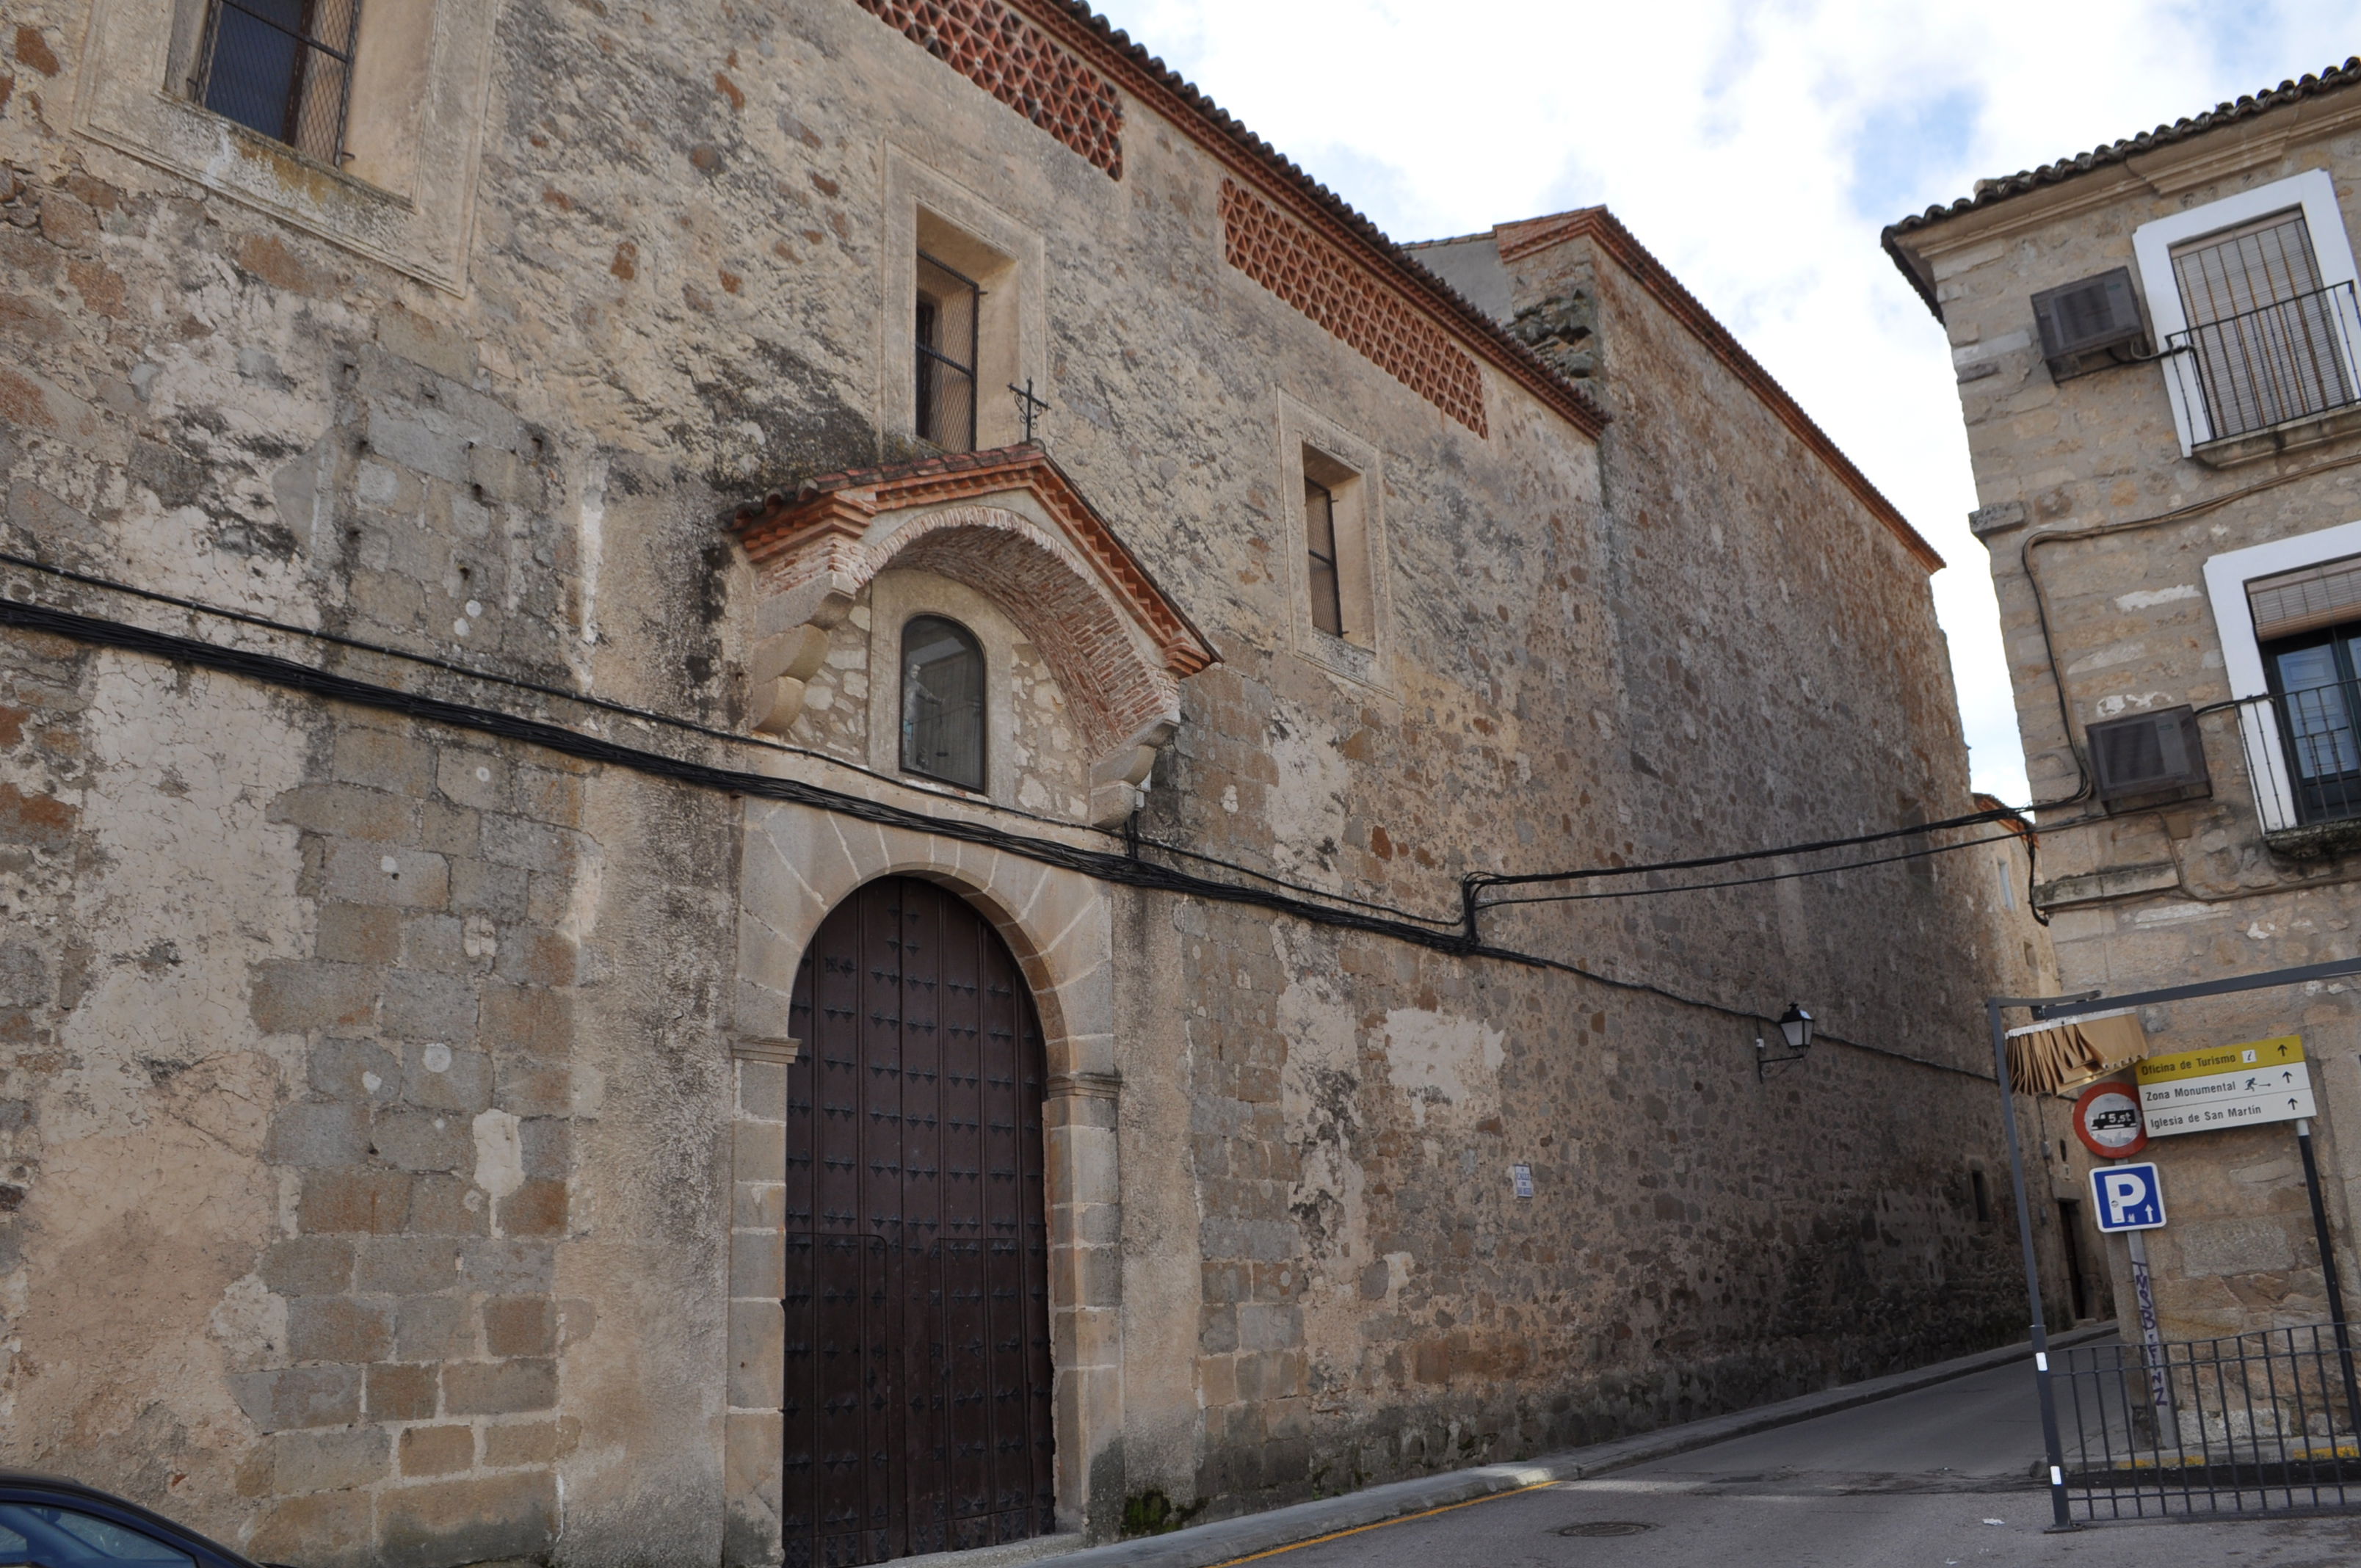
point(2130, 1196)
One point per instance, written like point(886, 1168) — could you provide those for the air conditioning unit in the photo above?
point(2091, 324)
point(2154, 753)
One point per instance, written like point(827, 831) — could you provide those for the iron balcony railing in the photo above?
point(2253, 1423)
point(2304, 754)
point(2279, 362)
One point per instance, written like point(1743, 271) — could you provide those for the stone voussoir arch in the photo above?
point(799, 865)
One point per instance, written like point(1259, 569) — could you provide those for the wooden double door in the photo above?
point(918, 1396)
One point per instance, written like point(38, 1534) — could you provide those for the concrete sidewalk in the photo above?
point(1202, 1546)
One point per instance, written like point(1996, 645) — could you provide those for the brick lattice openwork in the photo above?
point(1316, 279)
point(1015, 61)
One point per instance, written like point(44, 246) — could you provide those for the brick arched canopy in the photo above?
point(1010, 525)
point(1117, 687)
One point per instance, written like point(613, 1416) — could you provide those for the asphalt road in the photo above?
point(1943, 1478)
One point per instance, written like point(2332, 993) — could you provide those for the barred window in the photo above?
point(281, 67)
point(947, 319)
point(942, 701)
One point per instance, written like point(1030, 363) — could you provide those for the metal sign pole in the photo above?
point(2060, 1518)
point(2328, 1272)
point(2151, 1338)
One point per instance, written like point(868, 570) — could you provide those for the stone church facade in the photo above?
point(740, 755)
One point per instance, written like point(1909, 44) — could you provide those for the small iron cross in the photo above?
point(1028, 407)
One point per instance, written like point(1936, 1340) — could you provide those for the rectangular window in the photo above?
point(2289, 613)
point(948, 309)
point(2263, 329)
point(1320, 546)
point(2306, 623)
point(2252, 297)
point(281, 67)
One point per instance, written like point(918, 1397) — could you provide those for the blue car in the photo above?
point(46, 1521)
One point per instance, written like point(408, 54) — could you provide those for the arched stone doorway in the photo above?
point(917, 1402)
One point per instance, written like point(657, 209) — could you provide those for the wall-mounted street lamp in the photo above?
point(1795, 1027)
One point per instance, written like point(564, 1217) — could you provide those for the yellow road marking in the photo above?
point(1405, 1518)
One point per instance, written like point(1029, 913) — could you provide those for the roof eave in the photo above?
point(1912, 267)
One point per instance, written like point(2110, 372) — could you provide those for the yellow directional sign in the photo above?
point(2212, 1061)
point(2226, 1086)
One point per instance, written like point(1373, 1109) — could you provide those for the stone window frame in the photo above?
point(1362, 653)
point(2226, 576)
point(411, 205)
point(2313, 191)
point(926, 210)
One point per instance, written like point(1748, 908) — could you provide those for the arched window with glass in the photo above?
point(942, 702)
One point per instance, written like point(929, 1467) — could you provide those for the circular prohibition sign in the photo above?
point(2108, 1119)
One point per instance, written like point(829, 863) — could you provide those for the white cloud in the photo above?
point(1757, 149)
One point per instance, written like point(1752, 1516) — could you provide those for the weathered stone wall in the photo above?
point(380, 1182)
point(2188, 890)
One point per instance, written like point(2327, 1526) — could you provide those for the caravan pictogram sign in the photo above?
point(2108, 1119)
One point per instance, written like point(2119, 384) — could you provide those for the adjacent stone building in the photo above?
point(739, 750)
point(2155, 346)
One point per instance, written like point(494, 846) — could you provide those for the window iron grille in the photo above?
point(2294, 358)
point(283, 68)
point(948, 304)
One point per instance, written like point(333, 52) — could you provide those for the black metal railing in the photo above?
point(281, 67)
point(2304, 754)
point(2271, 364)
point(948, 305)
point(2260, 1422)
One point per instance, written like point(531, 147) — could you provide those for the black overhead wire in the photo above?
point(1752, 881)
point(1132, 838)
point(1103, 865)
point(1526, 878)
point(1119, 869)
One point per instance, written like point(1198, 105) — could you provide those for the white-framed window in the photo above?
point(2274, 606)
point(2253, 299)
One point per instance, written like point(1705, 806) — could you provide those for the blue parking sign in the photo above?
point(2130, 1196)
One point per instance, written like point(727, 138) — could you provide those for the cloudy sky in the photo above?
point(1757, 149)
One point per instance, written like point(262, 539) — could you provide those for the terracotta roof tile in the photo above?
point(1989, 192)
point(1148, 76)
point(1015, 456)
